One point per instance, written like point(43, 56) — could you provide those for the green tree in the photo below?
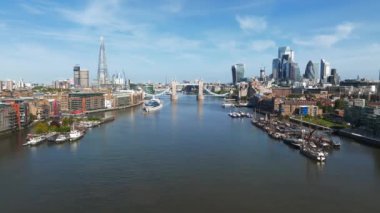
point(67, 121)
point(339, 104)
point(41, 127)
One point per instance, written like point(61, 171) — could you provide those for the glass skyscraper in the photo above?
point(237, 73)
point(325, 70)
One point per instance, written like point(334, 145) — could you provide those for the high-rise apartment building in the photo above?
point(237, 73)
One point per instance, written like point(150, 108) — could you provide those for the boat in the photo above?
point(226, 104)
point(75, 135)
point(153, 104)
point(35, 141)
point(61, 138)
point(296, 143)
point(313, 154)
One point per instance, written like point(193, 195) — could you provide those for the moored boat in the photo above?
point(313, 154)
point(35, 141)
point(296, 143)
point(61, 138)
point(75, 135)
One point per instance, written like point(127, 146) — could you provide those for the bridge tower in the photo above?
point(174, 90)
point(200, 95)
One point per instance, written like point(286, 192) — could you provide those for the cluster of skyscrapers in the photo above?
point(285, 69)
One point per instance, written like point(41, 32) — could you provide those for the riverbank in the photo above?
point(11, 131)
point(366, 140)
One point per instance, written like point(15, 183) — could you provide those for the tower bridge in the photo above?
point(172, 90)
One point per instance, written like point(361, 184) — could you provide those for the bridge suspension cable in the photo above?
point(158, 94)
point(215, 94)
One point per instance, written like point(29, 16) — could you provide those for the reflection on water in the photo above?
point(174, 111)
point(74, 146)
point(200, 109)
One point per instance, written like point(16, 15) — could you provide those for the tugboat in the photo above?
point(152, 105)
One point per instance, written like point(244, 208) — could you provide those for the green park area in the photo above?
point(322, 121)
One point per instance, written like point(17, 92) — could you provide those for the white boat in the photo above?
point(153, 104)
point(35, 141)
point(61, 138)
point(75, 135)
point(228, 105)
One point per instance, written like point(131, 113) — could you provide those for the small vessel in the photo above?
point(35, 141)
point(296, 143)
point(61, 138)
point(153, 104)
point(226, 104)
point(313, 154)
point(75, 135)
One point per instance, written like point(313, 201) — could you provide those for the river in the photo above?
point(188, 157)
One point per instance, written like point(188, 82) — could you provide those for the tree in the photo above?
point(41, 127)
point(67, 121)
point(339, 104)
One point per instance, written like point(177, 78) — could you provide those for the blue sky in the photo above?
point(165, 39)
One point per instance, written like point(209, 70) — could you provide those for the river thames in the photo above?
point(188, 157)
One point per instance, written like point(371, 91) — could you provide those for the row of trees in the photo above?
point(57, 126)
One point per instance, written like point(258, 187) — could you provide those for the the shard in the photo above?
point(102, 66)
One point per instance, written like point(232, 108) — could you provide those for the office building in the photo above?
point(284, 68)
point(237, 73)
point(81, 77)
point(325, 70)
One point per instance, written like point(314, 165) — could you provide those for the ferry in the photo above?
point(153, 104)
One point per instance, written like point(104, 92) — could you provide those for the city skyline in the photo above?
point(179, 39)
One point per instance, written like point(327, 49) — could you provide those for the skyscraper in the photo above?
point(276, 63)
point(284, 67)
point(334, 78)
point(309, 71)
point(81, 77)
point(325, 70)
point(237, 73)
point(102, 65)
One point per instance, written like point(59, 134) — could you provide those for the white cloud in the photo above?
point(261, 45)
point(251, 23)
point(341, 32)
point(104, 15)
point(172, 6)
